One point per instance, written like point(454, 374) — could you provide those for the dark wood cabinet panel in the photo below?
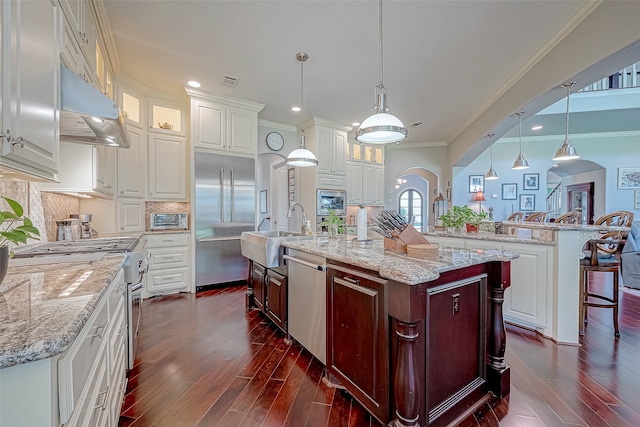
point(358, 337)
point(258, 273)
point(277, 298)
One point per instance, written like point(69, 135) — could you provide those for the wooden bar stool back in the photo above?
point(516, 216)
point(536, 217)
point(604, 257)
point(572, 217)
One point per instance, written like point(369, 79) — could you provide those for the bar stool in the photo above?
point(516, 216)
point(604, 257)
point(571, 217)
point(536, 217)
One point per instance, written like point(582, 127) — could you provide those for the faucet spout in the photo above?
point(304, 215)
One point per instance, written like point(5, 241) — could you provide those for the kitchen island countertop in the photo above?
point(43, 307)
point(398, 267)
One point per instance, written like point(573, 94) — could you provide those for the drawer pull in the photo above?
point(102, 399)
point(99, 332)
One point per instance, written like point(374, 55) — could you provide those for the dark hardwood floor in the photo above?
point(203, 361)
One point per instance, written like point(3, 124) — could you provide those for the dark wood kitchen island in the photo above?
point(417, 342)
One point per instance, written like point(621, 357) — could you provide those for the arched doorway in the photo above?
point(411, 206)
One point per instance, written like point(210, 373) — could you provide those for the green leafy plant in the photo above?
point(458, 216)
point(333, 221)
point(10, 229)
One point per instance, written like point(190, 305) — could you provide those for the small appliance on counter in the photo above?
point(85, 230)
point(67, 229)
point(168, 221)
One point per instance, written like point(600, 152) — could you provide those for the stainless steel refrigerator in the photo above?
point(224, 208)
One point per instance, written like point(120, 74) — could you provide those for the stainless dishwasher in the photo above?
point(307, 301)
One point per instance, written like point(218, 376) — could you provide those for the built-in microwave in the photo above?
point(331, 199)
point(168, 221)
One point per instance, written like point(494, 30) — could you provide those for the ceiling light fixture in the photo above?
point(537, 127)
point(381, 127)
point(521, 162)
point(491, 173)
point(301, 157)
point(193, 83)
point(566, 150)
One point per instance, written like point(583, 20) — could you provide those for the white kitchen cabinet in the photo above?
point(85, 169)
point(131, 215)
point(331, 148)
point(358, 152)
point(224, 124)
point(132, 165)
point(81, 23)
point(354, 183)
point(167, 167)
point(30, 81)
point(168, 264)
point(365, 184)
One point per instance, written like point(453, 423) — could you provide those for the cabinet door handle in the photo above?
point(99, 332)
point(102, 398)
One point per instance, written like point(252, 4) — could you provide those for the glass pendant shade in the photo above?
point(521, 162)
point(491, 173)
point(381, 127)
point(566, 150)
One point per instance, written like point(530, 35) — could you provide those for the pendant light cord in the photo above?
point(520, 130)
point(568, 85)
point(491, 150)
point(301, 93)
point(381, 84)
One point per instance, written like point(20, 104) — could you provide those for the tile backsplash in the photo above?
point(57, 206)
point(28, 195)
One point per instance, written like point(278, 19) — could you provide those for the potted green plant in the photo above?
point(334, 223)
point(459, 216)
point(474, 219)
point(11, 231)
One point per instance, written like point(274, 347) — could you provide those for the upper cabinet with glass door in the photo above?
point(358, 152)
point(166, 116)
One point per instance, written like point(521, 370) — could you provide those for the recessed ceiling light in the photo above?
point(554, 166)
point(97, 119)
point(355, 124)
point(538, 127)
point(193, 83)
point(296, 109)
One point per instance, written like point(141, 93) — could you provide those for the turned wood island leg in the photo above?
point(498, 373)
point(406, 378)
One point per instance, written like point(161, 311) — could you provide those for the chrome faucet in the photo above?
point(303, 228)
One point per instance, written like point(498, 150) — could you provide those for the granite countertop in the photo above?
point(44, 307)
point(398, 267)
point(485, 235)
point(563, 227)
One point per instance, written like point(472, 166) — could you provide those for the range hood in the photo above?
point(87, 115)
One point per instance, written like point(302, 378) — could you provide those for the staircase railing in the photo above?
point(554, 202)
point(629, 77)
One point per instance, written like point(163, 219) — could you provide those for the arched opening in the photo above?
point(410, 207)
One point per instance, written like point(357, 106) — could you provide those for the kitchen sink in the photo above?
point(264, 247)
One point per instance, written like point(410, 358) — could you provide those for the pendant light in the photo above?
point(521, 162)
point(301, 157)
point(381, 127)
point(491, 173)
point(566, 150)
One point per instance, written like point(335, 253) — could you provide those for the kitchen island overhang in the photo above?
point(417, 342)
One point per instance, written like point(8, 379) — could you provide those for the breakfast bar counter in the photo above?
point(417, 341)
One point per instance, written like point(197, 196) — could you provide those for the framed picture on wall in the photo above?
point(476, 183)
point(628, 178)
point(636, 201)
point(530, 181)
point(509, 191)
point(527, 202)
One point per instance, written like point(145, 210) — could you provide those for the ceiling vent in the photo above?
point(416, 124)
point(230, 80)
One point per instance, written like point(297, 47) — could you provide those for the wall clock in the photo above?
point(275, 141)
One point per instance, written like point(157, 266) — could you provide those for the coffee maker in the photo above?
point(86, 232)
